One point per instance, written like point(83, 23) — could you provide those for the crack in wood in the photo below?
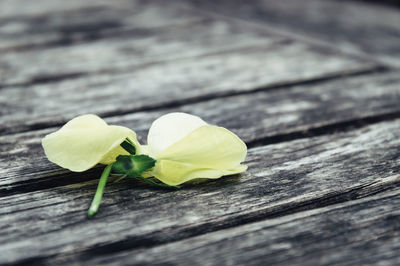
point(392, 3)
point(311, 167)
point(49, 78)
point(345, 126)
point(321, 163)
point(325, 129)
point(203, 98)
point(153, 240)
point(87, 35)
point(49, 182)
point(305, 25)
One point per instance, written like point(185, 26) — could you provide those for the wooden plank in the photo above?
point(360, 28)
point(42, 204)
point(17, 8)
point(127, 53)
point(282, 179)
point(259, 118)
point(88, 21)
point(142, 87)
point(360, 232)
point(391, 3)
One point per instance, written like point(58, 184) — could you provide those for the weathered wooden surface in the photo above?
point(298, 175)
point(275, 115)
point(341, 234)
point(85, 21)
point(365, 29)
point(321, 122)
point(162, 84)
point(127, 53)
point(19, 8)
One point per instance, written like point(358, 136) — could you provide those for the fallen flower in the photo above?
point(181, 147)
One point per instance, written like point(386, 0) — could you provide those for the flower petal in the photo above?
point(175, 173)
point(85, 141)
point(170, 128)
point(206, 152)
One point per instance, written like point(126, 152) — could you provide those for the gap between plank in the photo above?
point(280, 210)
point(44, 183)
point(92, 36)
point(296, 37)
point(294, 206)
point(325, 129)
point(389, 3)
point(42, 79)
point(210, 96)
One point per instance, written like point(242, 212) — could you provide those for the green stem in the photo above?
point(99, 192)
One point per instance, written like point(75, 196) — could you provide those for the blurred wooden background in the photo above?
point(312, 87)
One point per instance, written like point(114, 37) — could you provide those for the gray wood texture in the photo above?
point(242, 69)
point(370, 30)
point(341, 234)
point(259, 118)
point(126, 53)
point(19, 8)
point(298, 175)
point(82, 21)
point(314, 94)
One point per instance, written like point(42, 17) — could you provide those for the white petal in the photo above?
point(169, 129)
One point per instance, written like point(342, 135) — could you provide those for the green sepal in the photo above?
point(128, 146)
point(132, 165)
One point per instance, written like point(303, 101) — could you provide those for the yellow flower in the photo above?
point(182, 147)
point(185, 148)
point(86, 141)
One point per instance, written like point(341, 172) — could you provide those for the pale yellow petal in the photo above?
point(144, 149)
point(207, 152)
point(175, 173)
point(208, 146)
point(170, 128)
point(85, 141)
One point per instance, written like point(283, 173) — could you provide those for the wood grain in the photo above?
point(19, 8)
point(88, 22)
point(143, 46)
point(350, 26)
point(171, 82)
point(360, 232)
point(258, 118)
point(282, 179)
point(312, 88)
